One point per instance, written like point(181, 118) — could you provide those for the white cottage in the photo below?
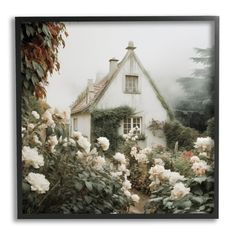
point(126, 84)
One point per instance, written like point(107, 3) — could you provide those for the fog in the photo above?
point(164, 49)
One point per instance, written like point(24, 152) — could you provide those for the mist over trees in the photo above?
point(196, 107)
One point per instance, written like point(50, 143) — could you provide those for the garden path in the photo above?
point(138, 208)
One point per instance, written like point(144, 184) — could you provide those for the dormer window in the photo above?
point(131, 84)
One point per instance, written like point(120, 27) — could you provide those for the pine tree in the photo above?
point(197, 106)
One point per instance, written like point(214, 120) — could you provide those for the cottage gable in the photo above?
point(126, 84)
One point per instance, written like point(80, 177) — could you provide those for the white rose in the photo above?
point(179, 191)
point(84, 143)
point(104, 143)
point(120, 157)
point(31, 157)
point(135, 197)
point(126, 184)
point(194, 159)
point(35, 115)
point(200, 168)
point(127, 193)
point(38, 182)
point(174, 177)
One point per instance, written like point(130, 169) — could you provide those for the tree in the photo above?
point(39, 57)
point(197, 105)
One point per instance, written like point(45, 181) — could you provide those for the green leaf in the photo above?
point(89, 186)
point(158, 199)
point(199, 200)
point(200, 179)
point(45, 30)
point(78, 186)
point(88, 199)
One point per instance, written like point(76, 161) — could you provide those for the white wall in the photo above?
point(84, 121)
point(145, 104)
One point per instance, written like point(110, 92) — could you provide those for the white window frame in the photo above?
point(131, 84)
point(130, 123)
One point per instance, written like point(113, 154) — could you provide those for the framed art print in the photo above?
point(117, 117)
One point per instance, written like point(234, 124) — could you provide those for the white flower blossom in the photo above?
point(100, 162)
point(126, 184)
point(159, 161)
point(31, 157)
point(36, 140)
point(127, 172)
point(38, 182)
point(35, 115)
point(146, 150)
point(141, 157)
point(116, 174)
point(194, 159)
point(204, 144)
point(84, 143)
point(122, 167)
point(47, 118)
point(79, 154)
point(76, 134)
point(133, 152)
point(156, 170)
point(135, 197)
point(200, 168)
point(52, 142)
point(174, 177)
point(156, 173)
point(120, 157)
point(179, 191)
point(127, 193)
point(30, 126)
point(71, 141)
point(104, 143)
point(203, 154)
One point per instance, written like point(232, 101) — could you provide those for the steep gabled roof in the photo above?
point(101, 87)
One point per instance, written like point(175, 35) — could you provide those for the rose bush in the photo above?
point(63, 174)
point(191, 189)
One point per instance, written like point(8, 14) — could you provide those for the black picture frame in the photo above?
point(20, 20)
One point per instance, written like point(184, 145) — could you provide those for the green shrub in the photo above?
point(175, 132)
point(211, 128)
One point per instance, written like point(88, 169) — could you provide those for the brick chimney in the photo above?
point(113, 64)
point(90, 90)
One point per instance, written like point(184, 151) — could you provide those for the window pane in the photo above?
point(131, 83)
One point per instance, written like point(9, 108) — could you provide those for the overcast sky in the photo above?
point(164, 49)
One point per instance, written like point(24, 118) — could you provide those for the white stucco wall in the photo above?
point(145, 104)
point(84, 124)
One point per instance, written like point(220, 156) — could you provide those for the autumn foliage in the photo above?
point(39, 55)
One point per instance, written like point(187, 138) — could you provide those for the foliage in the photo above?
point(197, 106)
point(200, 200)
point(39, 50)
point(187, 186)
point(77, 185)
point(211, 128)
point(175, 132)
point(105, 122)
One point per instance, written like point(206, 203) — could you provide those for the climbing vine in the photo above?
point(105, 122)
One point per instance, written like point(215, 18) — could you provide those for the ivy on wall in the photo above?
point(105, 123)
